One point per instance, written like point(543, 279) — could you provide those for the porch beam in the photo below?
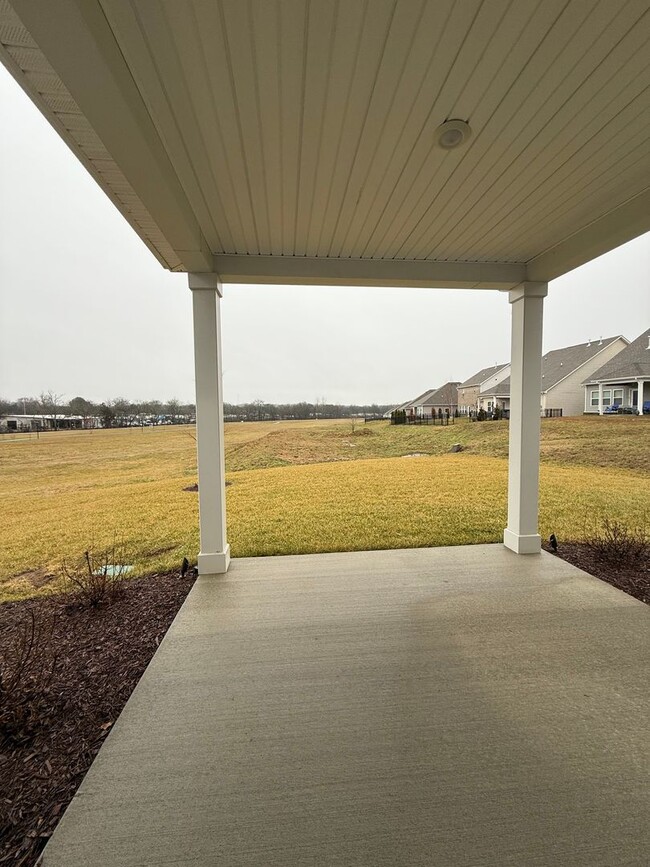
point(624, 223)
point(521, 534)
point(325, 271)
point(214, 556)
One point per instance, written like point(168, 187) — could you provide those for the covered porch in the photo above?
point(444, 706)
point(448, 706)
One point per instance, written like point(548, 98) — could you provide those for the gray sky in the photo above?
point(86, 310)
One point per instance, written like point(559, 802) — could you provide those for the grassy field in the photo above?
point(301, 487)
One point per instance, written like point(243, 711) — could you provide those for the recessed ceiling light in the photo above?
point(453, 133)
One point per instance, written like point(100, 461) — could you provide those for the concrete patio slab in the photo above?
point(448, 706)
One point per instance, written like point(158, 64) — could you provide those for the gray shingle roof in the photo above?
point(500, 390)
point(482, 375)
point(559, 363)
point(632, 361)
point(417, 401)
point(446, 395)
point(422, 398)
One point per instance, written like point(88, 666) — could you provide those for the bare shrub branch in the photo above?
point(97, 577)
point(27, 667)
point(613, 542)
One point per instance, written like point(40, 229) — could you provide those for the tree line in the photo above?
point(120, 412)
point(259, 410)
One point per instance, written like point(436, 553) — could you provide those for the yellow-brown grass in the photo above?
point(300, 487)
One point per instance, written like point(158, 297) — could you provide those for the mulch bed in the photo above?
point(631, 577)
point(99, 656)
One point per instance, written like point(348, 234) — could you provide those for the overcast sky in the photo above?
point(86, 310)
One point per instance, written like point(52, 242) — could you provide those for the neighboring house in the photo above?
point(623, 381)
point(420, 403)
point(563, 375)
point(403, 406)
point(412, 408)
point(469, 390)
point(443, 399)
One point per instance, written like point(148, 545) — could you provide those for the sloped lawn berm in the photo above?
point(88, 663)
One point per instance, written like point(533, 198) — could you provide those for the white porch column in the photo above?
point(527, 302)
point(206, 299)
point(600, 398)
point(639, 396)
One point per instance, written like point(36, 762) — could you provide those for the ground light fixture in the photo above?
point(453, 133)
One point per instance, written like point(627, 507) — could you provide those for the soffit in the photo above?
point(305, 129)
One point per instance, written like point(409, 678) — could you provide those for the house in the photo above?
point(397, 408)
point(412, 408)
point(443, 399)
point(623, 380)
point(469, 390)
point(563, 375)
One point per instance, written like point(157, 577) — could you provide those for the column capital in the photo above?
point(205, 280)
point(528, 289)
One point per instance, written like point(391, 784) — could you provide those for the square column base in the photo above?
point(522, 544)
point(214, 564)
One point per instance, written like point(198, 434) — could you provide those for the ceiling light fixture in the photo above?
point(453, 133)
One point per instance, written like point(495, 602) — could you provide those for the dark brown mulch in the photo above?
point(631, 577)
point(100, 656)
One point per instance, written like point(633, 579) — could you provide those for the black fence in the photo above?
point(442, 420)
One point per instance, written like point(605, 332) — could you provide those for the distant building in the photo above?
point(623, 381)
point(24, 422)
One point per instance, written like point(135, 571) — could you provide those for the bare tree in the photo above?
point(50, 403)
point(173, 407)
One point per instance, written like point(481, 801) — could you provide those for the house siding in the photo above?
point(569, 394)
point(587, 371)
point(467, 397)
point(496, 378)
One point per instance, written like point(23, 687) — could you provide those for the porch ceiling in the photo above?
point(299, 130)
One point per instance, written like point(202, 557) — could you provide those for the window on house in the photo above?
point(617, 400)
point(607, 396)
point(594, 398)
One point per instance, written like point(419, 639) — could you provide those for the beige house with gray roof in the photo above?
point(469, 390)
point(563, 375)
point(623, 381)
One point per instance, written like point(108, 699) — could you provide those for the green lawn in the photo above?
point(299, 487)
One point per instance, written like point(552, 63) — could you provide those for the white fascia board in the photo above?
point(323, 271)
point(624, 223)
point(616, 380)
point(78, 43)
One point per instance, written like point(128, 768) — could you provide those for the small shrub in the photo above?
point(27, 667)
point(615, 542)
point(97, 578)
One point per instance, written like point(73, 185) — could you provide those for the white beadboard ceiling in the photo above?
point(289, 128)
